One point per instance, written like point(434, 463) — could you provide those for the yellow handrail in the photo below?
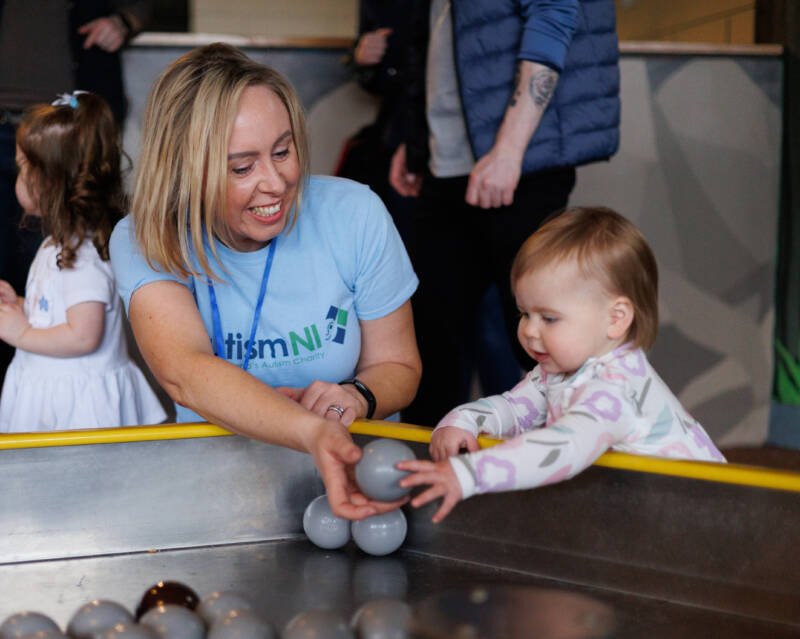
point(725, 473)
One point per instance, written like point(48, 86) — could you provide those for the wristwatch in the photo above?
point(365, 392)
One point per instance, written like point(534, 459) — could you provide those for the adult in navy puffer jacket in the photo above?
point(504, 99)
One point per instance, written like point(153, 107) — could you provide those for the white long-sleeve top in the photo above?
point(558, 427)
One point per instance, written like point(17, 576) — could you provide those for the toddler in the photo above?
point(71, 368)
point(586, 285)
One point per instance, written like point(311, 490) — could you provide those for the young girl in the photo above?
point(586, 285)
point(71, 368)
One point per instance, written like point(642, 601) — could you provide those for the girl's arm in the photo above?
point(8, 295)
point(522, 408)
point(539, 457)
point(80, 335)
point(174, 342)
point(389, 365)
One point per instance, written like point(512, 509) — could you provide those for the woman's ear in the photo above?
point(621, 316)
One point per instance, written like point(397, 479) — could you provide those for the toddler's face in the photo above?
point(565, 317)
point(24, 195)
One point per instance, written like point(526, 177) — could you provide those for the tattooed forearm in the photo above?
point(542, 85)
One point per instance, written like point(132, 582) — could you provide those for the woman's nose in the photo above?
point(271, 180)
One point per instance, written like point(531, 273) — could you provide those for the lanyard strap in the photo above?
point(219, 342)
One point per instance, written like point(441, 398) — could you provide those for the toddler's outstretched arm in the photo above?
point(79, 335)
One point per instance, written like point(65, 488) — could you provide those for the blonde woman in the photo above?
point(266, 301)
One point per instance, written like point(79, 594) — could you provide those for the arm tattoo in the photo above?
point(542, 85)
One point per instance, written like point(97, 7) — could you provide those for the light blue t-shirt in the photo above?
point(342, 262)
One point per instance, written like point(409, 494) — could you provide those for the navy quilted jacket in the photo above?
point(576, 37)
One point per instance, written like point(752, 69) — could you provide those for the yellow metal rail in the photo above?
point(724, 473)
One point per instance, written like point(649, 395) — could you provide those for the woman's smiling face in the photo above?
point(263, 170)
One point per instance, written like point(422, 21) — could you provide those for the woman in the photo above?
point(270, 303)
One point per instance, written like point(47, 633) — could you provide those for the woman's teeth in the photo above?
point(266, 211)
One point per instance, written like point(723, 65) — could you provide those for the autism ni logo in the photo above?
point(337, 321)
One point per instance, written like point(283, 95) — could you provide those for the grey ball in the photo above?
point(317, 624)
point(219, 605)
point(96, 616)
point(130, 630)
point(376, 473)
point(172, 621)
point(381, 534)
point(322, 527)
point(242, 624)
point(24, 624)
point(383, 619)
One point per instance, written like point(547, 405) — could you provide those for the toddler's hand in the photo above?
point(442, 480)
point(13, 324)
point(7, 293)
point(449, 440)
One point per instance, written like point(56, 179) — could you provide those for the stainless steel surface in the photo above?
point(673, 557)
point(113, 498)
point(283, 578)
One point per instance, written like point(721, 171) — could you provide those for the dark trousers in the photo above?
point(459, 251)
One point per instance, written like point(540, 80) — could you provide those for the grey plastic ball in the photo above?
point(96, 616)
point(24, 624)
point(322, 527)
point(317, 624)
point(376, 473)
point(219, 605)
point(381, 534)
point(172, 621)
point(127, 631)
point(242, 624)
point(383, 619)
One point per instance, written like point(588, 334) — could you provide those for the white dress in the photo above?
point(103, 389)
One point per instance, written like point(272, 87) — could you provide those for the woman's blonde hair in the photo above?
point(607, 248)
point(180, 186)
point(73, 172)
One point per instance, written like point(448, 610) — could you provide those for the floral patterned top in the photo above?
point(558, 427)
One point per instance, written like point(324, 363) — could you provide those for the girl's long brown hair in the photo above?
point(73, 172)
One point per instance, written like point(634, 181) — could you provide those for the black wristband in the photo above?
point(365, 392)
point(124, 19)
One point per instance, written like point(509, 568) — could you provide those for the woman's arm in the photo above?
point(80, 335)
point(389, 365)
point(174, 342)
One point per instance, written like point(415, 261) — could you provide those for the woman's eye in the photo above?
point(280, 155)
point(241, 170)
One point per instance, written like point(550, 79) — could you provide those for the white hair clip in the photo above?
point(68, 99)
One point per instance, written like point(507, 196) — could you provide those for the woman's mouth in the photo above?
point(266, 211)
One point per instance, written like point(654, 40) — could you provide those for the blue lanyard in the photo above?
point(215, 318)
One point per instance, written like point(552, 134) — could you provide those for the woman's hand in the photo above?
point(448, 441)
point(335, 454)
point(331, 401)
point(442, 480)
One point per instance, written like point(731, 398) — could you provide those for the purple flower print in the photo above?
point(702, 441)
point(526, 422)
point(495, 474)
point(604, 404)
point(633, 362)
